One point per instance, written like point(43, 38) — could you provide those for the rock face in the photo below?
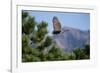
point(71, 38)
point(56, 24)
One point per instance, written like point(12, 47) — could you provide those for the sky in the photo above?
point(71, 19)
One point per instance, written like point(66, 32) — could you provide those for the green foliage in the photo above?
point(72, 56)
point(79, 53)
point(87, 49)
point(24, 41)
point(46, 49)
point(30, 58)
point(28, 23)
point(82, 53)
point(24, 15)
point(47, 42)
point(55, 54)
point(41, 30)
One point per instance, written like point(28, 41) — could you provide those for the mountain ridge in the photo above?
point(71, 38)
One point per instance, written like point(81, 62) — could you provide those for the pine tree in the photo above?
point(28, 26)
point(38, 34)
